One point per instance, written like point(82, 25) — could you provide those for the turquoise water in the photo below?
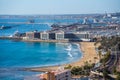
point(15, 55)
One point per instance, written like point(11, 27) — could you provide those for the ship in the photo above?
point(5, 27)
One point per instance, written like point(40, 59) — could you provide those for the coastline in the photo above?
point(88, 54)
point(40, 40)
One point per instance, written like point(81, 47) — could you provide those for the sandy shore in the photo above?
point(89, 54)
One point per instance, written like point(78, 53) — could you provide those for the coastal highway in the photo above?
point(111, 63)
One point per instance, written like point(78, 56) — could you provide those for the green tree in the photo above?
point(105, 74)
point(68, 67)
point(100, 54)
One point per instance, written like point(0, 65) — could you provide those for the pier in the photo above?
point(42, 69)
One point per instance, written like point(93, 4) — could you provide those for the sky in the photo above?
point(21, 7)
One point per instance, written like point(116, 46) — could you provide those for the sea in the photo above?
point(17, 55)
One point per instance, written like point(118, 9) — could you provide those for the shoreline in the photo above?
point(88, 54)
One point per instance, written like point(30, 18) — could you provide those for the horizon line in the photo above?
point(62, 13)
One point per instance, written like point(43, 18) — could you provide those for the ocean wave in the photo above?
point(69, 47)
point(69, 54)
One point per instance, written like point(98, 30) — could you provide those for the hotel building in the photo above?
point(44, 35)
point(33, 35)
point(52, 36)
point(59, 35)
point(77, 36)
point(71, 36)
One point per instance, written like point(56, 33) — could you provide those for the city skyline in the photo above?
point(24, 7)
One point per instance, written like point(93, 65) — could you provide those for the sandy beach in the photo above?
point(89, 54)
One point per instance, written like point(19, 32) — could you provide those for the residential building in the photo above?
point(56, 75)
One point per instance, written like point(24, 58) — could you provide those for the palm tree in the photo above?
point(100, 54)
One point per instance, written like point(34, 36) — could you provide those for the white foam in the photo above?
point(69, 54)
point(69, 48)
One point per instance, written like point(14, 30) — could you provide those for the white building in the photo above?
point(44, 35)
point(59, 35)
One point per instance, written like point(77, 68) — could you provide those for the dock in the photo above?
point(42, 69)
